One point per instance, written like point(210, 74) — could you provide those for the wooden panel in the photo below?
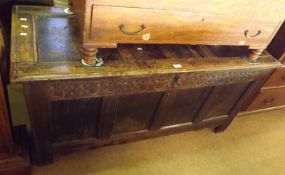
point(180, 27)
point(242, 102)
point(25, 35)
point(181, 106)
point(124, 114)
point(81, 114)
point(134, 112)
point(268, 98)
point(277, 78)
point(221, 100)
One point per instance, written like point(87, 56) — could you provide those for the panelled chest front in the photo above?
point(142, 91)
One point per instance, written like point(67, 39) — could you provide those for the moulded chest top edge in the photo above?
point(261, 9)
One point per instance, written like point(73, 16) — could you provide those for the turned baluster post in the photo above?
point(254, 54)
point(90, 57)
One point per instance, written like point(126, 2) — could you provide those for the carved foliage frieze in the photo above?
point(200, 79)
point(108, 86)
point(84, 88)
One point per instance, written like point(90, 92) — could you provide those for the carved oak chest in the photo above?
point(105, 23)
point(143, 91)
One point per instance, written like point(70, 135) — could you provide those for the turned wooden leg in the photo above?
point(254, 54)
point(91, 58)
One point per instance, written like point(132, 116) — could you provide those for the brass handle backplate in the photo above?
point(246, 33)
point(122, 29)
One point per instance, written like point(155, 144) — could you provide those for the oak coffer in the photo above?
point(142, 91)
point(105, 23)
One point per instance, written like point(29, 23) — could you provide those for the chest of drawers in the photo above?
point(271, 95)
point(106, 23)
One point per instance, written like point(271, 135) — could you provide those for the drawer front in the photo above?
point(133, 25)
point(277, 79)
point(268, 99)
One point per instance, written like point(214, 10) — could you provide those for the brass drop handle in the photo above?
point(269, 101)
point(246, 33)
point(122, 29)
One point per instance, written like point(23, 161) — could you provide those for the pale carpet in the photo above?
point(253, 145)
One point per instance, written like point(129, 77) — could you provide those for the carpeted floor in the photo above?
point(253, 145)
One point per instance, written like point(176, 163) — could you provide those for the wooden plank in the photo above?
point(241, 103)
point(135, 112)
point(166, 102)
point(126, 114)
point(65, 117)
point(136, 136)
point(180, 107)
point(220, 101)
point(107, 116)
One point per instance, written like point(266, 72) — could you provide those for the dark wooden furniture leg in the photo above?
point(90, 57)
point(38, 108)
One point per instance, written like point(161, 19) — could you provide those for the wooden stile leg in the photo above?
point(247, 95)
point(39, 117)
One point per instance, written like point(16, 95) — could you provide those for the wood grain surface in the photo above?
point(104, 24)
